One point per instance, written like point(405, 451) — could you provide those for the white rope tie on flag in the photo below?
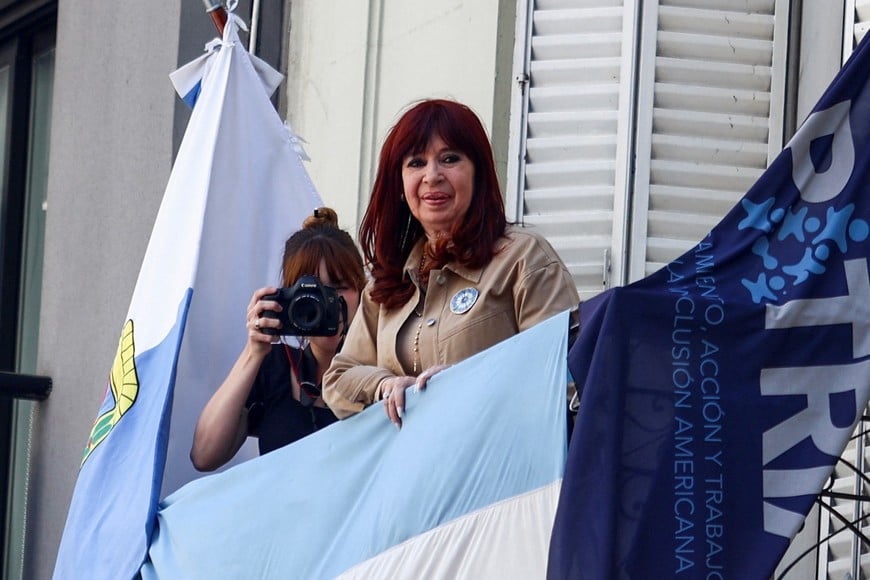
point(233, 18)
point(212, 45)
point(238, 20)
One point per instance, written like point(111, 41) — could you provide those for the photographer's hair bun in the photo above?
point(323, 216)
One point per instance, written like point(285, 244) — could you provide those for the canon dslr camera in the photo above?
point(309, 309)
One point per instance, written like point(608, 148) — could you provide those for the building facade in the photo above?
point(623, 131)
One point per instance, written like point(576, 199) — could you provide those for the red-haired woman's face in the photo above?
point(439, 185)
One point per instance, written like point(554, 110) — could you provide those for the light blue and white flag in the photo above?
point(237, 190)
point(466, 489)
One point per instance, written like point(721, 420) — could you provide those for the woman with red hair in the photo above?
point(450, 277)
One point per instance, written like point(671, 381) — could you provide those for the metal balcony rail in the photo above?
point(21, 386)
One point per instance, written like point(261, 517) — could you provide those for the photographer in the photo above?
point(273, 390)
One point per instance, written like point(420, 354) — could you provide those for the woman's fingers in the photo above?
point(394, 398)
point(397, 398)
point(393, 392)
point(424, 377)
point(394, 405)
point(255, 321)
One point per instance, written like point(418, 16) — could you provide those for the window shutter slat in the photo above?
point(705, 123)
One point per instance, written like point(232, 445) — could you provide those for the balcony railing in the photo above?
point(20, 386)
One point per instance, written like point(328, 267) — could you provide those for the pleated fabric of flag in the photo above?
point(466, 489)
point(718, 393)
point(237, 190)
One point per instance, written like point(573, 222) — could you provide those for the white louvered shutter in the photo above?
point(842, 555)
point(637, 126)
point(711, 93)
point(571, 130)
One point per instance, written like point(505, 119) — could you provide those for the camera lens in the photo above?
point(305, 312)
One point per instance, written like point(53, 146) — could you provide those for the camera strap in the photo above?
point(305, 372)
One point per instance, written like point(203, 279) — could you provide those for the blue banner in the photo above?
point(718, 393)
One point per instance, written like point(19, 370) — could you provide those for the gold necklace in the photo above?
point(417, 344)
point(421, 270)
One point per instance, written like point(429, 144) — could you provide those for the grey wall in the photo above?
point(111, 153)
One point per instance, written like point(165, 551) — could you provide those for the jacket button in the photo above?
point(430, 322)
point(441, 279)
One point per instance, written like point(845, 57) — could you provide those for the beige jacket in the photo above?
point(525, 283)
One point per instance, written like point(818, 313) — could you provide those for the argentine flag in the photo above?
point(466, 489)
point(237, 191)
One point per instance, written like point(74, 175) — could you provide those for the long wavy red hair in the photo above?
point(388, 231)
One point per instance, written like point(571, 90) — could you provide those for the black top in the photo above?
point(274, 416)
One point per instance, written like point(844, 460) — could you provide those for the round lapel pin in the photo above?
point(463, 300)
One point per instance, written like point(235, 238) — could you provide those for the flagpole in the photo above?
point(255, 26)
point(218, 14)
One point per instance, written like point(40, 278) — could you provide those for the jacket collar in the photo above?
point(412, 266)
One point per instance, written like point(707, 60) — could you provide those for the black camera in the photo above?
point(309, 309)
